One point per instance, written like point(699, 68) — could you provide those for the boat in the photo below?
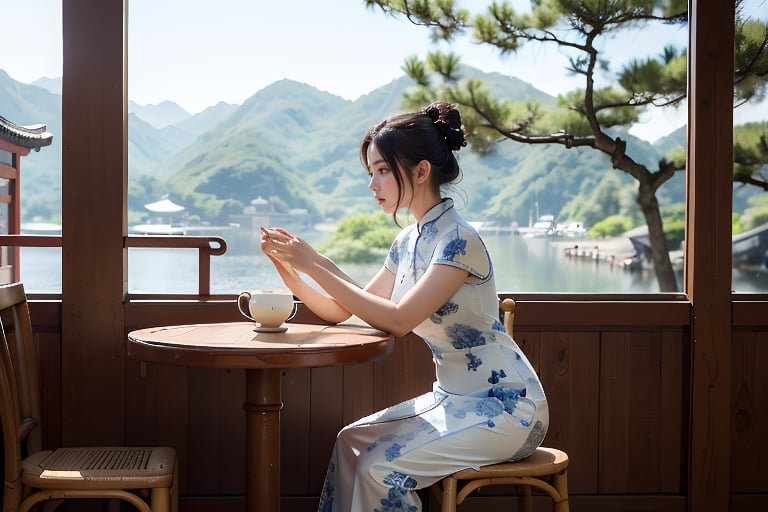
point(749, 251)
point(544, 226)
point(571, 229)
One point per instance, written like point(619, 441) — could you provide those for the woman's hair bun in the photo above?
point(447, 119)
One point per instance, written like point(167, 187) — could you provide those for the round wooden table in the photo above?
point(263, 355)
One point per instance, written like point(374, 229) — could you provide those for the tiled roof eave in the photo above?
point(32, 137)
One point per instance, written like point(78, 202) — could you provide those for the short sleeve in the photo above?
point(463, 248)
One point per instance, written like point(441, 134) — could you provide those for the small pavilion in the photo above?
point(161, 218)
point(16, 141)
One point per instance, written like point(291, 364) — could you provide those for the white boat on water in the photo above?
point(545, 226)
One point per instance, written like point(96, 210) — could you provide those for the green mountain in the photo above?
point(299, 147)
point(291, 134)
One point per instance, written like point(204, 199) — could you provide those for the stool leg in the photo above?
point(449, 495)
point(560, 482)
point(161, 499)
point(524, 498)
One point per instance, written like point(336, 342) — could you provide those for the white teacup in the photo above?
point(269, 308)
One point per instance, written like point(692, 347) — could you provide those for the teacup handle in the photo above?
point(295, 310)
point(245, 298)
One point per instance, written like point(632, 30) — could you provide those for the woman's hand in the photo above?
point(287, 252)
point(288, 249)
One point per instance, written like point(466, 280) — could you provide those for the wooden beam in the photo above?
point(94, 177)
point(708, 249)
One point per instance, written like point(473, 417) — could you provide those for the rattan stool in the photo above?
point(546, 469)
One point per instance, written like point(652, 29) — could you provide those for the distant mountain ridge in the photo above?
point(161, 115)
point(299, 145)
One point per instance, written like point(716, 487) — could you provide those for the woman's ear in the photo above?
point(422, 171)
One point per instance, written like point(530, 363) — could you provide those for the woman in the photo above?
point(487, 404)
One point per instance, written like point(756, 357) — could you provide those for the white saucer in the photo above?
point(270, 329)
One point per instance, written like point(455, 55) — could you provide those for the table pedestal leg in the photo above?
point(263, 401)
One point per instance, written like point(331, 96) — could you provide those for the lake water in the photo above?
point(521, 264)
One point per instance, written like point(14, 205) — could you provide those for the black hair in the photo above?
point(404, 140)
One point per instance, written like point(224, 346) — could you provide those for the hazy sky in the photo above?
point(199, 52)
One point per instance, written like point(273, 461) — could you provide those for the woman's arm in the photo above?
point(372, 304)
point(320, 303)
point(430, 293)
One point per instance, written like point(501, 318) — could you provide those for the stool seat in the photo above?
point(543, 462)
point(545, 469)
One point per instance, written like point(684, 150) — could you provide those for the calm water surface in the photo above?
point(521, 264)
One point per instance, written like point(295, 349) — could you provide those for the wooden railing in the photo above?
point(207, 246)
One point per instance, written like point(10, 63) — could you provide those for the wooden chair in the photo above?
point(545, 469)
point(146, 477)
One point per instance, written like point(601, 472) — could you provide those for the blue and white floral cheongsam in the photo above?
point(487, 404)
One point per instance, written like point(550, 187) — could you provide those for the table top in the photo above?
point(238, 345)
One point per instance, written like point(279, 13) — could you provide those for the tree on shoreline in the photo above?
point(583, 117)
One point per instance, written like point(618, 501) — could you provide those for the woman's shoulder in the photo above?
point(463, 246)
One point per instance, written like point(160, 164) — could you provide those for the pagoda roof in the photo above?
point(31, 137)
point(165, 205)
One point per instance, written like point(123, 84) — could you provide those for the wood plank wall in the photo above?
point(619, 395)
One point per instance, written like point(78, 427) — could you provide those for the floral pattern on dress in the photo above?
point(474, 361)
point(464, 336)
point(496, 376)
point(448, 308)
point(401, 480)
point(455, 247)
point(394, 252)
point(428, 232)
point(394, 502)
point(488, 408)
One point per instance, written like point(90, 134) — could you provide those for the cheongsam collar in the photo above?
point(435, 212)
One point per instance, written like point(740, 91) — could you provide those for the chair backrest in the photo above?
point(19, 389)
point(508, 307)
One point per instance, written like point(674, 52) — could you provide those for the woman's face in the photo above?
point(383, 183)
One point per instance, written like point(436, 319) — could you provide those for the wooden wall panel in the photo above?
point(645, 398)
point(204, 464)
point(614, 413)
point(232, 431)
point(296, 434)
point(49, 349)
point(569, 370)
point(634, 391)
point(673, 436)
point(359, 391)
point(749, 412)
point(326, 418)
point(157, 409)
